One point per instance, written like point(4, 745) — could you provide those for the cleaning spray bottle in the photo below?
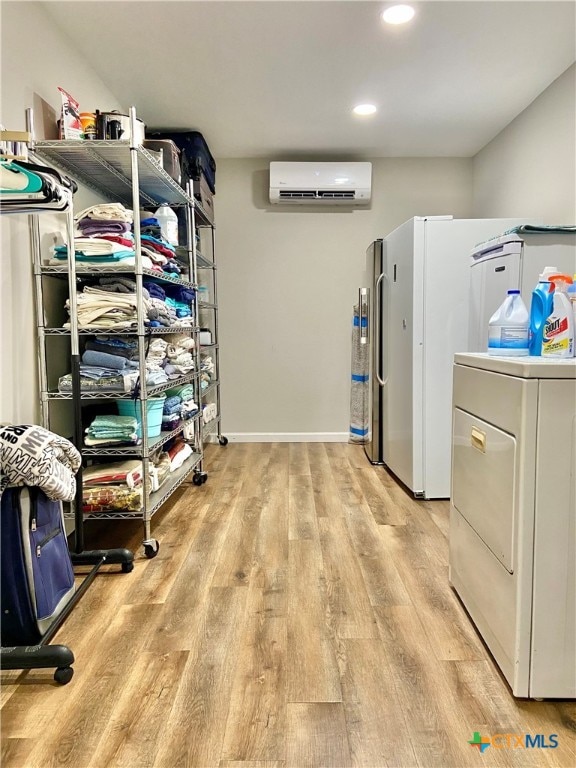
point(558, 336)
point(540, 309)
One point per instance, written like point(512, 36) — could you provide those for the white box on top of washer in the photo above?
point(512, 261)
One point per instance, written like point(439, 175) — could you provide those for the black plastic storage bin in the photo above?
point(196, 158)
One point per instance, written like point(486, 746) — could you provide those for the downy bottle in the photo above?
point(558, 336)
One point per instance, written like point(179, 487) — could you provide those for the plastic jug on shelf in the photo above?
point(508, 327)
point(169, 223)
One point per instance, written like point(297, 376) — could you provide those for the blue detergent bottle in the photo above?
point(540, 310)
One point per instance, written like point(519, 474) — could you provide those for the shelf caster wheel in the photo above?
point(151, 548)
point(199, 478)
point(127, 567)
point(63, 675)
point(223, 440)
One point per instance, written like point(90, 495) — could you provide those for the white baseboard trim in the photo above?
point(287, 437)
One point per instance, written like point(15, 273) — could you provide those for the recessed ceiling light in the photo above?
point(398, 14)
point(364, 109)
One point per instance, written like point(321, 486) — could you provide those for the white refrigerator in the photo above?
point(418, 295)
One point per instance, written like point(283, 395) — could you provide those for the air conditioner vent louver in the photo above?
point(297, 194)
point(321, 194)
point(326, 194)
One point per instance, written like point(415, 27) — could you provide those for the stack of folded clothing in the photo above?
point(180, 358)
point(159, 468)
point(100, 379)
point(110, 429)
point(185, 392)
point(103, 236)
point(171, 415)
point(209, 412)
point(155, 359)
point(179, 407)
point(178, 451)
point(104, 310)
point(113, 487)
point(159, 250)
point(180, 300)
point(206, 371)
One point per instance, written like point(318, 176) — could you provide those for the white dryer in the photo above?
point(513, 515)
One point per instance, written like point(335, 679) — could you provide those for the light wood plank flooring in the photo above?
point(298, 614)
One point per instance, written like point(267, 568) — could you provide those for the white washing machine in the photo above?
point(513, 515)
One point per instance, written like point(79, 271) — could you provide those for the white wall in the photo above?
point(287, 281)
point(31, 74)
point(529, 169)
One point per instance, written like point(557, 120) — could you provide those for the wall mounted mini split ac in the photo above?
point(320, 183)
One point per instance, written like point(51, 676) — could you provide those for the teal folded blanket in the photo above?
point(543, 229)
point(61, 252)
point(184, 392)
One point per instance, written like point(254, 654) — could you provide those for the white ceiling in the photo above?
point(279, 79)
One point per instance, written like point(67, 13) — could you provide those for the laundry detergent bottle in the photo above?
point(558, 336)
point(540, 309)
point(508, 328)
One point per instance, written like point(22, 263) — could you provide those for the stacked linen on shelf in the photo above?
point(180, 358)
point(178, 451)
point(103, 236)
point(159, 313)
point(180, 407)
point(180, 299)
point(155, 359)
point(113, 487)
point(110, 430)
point(171, 416)
point(156, 248)
point(209, 412)
point(159, 468)
point(170, 304)
point(206, 371)
point(106, 311)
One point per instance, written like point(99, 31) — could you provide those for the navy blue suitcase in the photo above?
point(37, 579)
point(195, 156)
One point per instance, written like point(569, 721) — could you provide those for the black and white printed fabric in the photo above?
point(32, 455)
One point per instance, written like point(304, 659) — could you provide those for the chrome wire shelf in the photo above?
point(207, 305)
point(105, 166)
point(211, 427)
point(121, 331)
point(210, 387)
point(150, 392)
point(136, 450)
point(163, 277)
point(155, 500)
point(203, 262)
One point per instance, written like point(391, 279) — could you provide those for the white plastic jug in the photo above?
point(168, 223)
point(508, 327)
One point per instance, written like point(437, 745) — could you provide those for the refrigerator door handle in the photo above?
point(383, 309)
point(363, 314)
point(378, 332)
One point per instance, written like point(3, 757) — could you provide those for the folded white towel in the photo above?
point(106, 212)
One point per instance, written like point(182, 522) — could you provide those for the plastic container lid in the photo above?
point(544, 277)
